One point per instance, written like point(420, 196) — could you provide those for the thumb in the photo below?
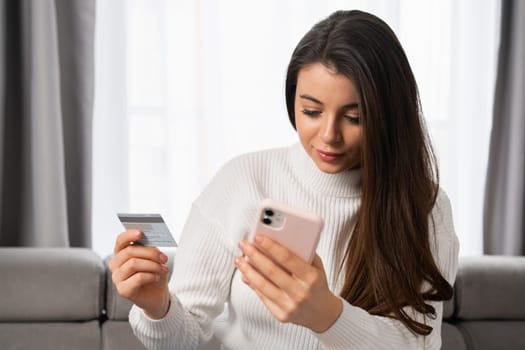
point(318, 263)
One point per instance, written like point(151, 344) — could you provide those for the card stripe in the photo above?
point(142, 219)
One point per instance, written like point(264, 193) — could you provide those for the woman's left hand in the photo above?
point(292, 290)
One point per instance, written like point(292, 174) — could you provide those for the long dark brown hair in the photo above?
point(388, 260)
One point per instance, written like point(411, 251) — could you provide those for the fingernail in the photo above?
point(258, 239)
point(163, 258)
point(238, 261)
point(165, 268)
point(242, 245)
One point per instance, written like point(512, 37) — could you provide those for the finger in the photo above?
point(257, 281)
point(125, 238)
point(283, 256)
point(275, 309)
point(318, 263)
point(129, 287)
point(137, 251)
point(134, 265)
point(273, 272)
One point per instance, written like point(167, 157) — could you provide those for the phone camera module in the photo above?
point(267, 220)
point(268, 212)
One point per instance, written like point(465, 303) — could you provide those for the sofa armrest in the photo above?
point(490, 287)
point(50, 284)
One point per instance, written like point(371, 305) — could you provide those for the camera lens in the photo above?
point(268, 212)
point(267, 221)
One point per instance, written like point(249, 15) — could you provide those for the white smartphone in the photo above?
point(297, 230)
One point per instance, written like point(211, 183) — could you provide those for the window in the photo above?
point(183, 86)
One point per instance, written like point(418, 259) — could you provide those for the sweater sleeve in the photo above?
point(357, 329)
point(198, 286)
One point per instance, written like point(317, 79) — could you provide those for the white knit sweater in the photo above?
point(209, 297)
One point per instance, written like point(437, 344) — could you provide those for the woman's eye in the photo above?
point(311, 113)
point(353, 119)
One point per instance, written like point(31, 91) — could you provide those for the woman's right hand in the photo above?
point(140, 274)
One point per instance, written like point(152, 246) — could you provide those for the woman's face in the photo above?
point(328, 118)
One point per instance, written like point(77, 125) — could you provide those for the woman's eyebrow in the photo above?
point(310, 98)
point(351, 105)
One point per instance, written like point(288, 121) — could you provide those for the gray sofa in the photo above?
point(53, 298)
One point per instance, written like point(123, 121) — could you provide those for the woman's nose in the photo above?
point(330, 132)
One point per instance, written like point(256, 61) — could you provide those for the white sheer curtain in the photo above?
point(183, 86)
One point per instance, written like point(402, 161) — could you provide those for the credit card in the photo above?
point(154, 229)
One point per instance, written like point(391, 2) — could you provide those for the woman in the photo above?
point(388, 252)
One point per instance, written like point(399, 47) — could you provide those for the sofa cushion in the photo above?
point(117, 335)
point(490, 287)
point(489, 335)
point(50, 336)
point(451, 338)
point(448, 308)
point(50, 284)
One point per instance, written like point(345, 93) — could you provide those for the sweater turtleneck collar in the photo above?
point(344, 184)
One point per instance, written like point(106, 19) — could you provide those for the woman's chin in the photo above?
point(329, 168)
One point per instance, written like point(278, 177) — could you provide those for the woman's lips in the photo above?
point(329, 156)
